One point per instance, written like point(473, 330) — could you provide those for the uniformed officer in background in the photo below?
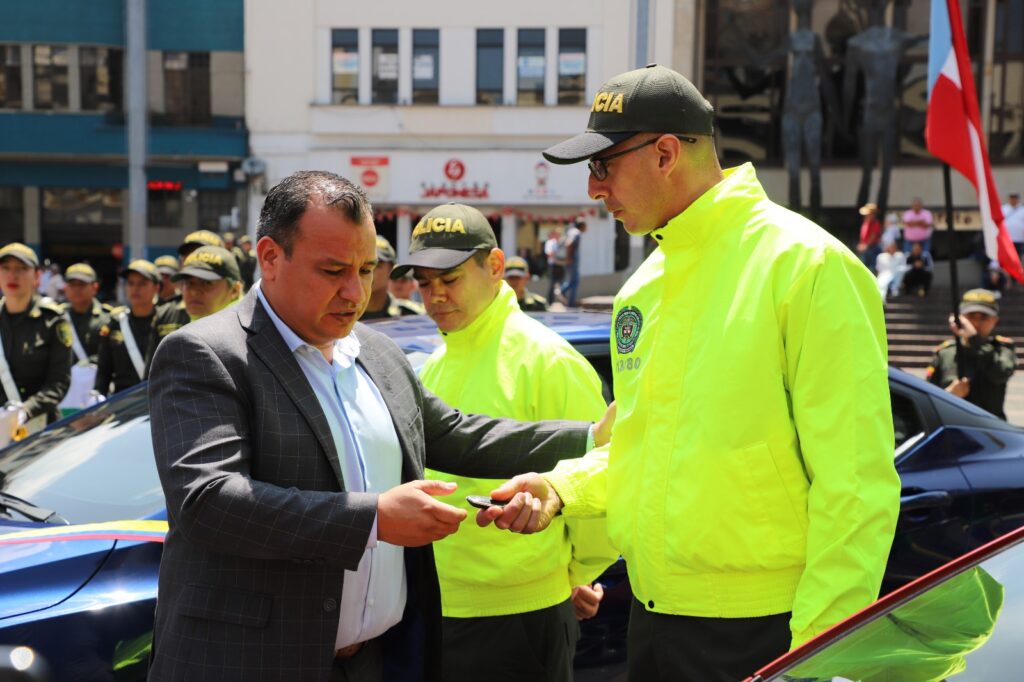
point(167, 266)
point(126, 341)
point(517, 274)
point(382, 304)
point(241, 256)
point(210, 281)
point(247, 265)
point(36, 366)
point(193, 240)
point(87, 315)
point(987, 359)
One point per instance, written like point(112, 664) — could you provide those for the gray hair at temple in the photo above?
point(288, 200)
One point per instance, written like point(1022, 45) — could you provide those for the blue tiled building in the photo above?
point(63, 142)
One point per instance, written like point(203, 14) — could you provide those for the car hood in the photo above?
point(42, 565)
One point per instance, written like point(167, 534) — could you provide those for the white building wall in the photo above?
point(294, 126)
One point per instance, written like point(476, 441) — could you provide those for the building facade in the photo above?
point(423, 103)
point(63, 143)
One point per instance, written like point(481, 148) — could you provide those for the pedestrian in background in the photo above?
point(890, 265)
point(35, 369)
point(749, 483)
point(501, 595)
point(1013, 214)
point(554, 252)
point(920, 267)
point(918, 225)
point(868, 245)
point(571, 284)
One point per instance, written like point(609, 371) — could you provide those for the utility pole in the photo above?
point(138, 125)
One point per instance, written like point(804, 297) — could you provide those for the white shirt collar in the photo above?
point(347, 347)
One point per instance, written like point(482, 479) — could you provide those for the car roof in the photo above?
point(889, 602)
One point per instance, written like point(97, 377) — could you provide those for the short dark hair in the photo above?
point(288, 200)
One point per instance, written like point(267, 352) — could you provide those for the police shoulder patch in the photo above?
point(628, 322)
point(64, 332)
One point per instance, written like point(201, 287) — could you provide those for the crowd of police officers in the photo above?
point(62, 356)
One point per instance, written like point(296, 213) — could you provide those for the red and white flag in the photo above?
point(953, 130)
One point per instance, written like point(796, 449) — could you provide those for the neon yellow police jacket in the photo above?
point(750, 470)
point(506, 364)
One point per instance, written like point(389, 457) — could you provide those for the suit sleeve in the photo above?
point(835, 350)
point(203, 443)
point(482, 447)
point(58, 370)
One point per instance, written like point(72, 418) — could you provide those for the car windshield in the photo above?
point(96, 466)
point(967, 627)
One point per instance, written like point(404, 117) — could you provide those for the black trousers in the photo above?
point(666, 648)
point(537, 646)
point(366, 666)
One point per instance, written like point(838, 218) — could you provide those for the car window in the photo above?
point(96, 466)
point(966, 628)
point(907, 423)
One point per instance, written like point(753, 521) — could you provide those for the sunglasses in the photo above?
point(599, 164)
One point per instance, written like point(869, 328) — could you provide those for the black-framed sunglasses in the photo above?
point(599, 164)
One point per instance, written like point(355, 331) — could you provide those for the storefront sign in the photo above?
point(371, 172)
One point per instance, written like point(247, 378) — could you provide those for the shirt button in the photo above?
point(369, 602)
point(330, 604)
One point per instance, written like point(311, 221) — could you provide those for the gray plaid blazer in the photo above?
point(261, 527)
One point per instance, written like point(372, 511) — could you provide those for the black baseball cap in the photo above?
point(654, 99)
point(446, 237)
point(209, 263)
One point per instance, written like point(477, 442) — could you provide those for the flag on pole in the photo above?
point(953, 130)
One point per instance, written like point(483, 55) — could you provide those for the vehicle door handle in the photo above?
point(925, 500)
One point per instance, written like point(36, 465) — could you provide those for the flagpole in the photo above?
point(954, 283)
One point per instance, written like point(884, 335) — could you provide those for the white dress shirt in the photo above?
point(373, 597)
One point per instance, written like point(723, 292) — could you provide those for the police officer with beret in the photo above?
point(210, 281)
point(127, 340)
point(987, 360)
point(382, 304)
point(167, 266)
point(36, 366)
point(517, 274)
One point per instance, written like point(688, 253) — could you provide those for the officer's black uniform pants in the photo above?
point(537, 646)
point(664, 648)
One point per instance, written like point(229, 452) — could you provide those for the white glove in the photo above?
point(95, 398)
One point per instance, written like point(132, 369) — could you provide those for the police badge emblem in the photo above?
point(628, 322)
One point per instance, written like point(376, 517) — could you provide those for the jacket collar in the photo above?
point(709, 215)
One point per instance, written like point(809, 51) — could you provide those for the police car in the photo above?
point(82, 515)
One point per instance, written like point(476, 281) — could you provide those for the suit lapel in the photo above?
point(376, 368)
point(268, 345)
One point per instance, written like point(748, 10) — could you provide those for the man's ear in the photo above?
point(496, 264)
point(669, 150)
point(269, 253)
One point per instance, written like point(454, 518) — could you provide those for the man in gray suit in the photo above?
point(290, 442)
